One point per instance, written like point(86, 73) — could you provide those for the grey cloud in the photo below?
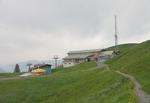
point(36, 29)
point(53, 16)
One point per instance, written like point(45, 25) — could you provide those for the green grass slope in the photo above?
point(78, 84)
point(123, 47)
point(135, 61)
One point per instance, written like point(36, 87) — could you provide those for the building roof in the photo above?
point(104, 53)
point(41, 66)
point(78, 56)
point(85, 51)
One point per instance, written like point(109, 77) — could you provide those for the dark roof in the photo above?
point(78, 56)
point(85, 51)
point(41, 66)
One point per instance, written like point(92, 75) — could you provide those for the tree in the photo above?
point(17, 69)
point(29, 67)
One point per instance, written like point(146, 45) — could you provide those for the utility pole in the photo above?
point(55, 58)
point(116, 35)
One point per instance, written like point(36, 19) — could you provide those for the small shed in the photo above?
point(46, 67)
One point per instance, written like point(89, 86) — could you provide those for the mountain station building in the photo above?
point(97, 55)
point(76, 57)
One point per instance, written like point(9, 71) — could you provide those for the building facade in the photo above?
point(105, 55)
point(76, 57)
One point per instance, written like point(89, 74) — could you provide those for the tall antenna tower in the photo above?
point(116, 34)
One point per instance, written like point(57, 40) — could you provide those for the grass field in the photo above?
point(135, 60)
point(80, 84)
point(70, 85)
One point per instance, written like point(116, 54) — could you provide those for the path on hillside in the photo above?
point(9, 78)
point(143, 97)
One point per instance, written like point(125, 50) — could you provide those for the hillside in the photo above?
point(78, 84)
point(123, 47)
point(84, 84)
point(135, 61)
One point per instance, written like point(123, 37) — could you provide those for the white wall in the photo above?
point(68, 64)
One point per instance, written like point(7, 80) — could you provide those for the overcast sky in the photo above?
point(39, 29)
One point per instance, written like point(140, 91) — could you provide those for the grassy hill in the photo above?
point(78, 84)
point(123, 47)
point(82, 83)
point(135, 60)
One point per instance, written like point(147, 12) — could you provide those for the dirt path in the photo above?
point(142, 96)
point(102, 65)
point(9, 78)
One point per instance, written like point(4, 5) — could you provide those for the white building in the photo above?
point(105, 55)
point(76, 57)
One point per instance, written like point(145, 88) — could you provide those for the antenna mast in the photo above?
point(116, 34)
